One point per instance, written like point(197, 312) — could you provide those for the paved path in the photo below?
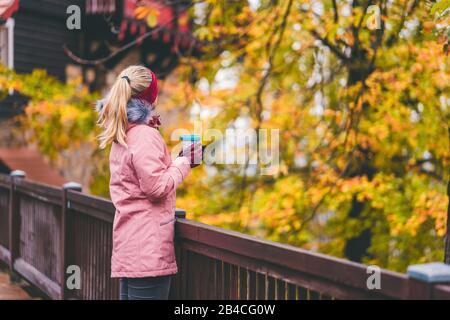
point(11, 291)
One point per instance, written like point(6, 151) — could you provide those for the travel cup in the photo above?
point(187, 140)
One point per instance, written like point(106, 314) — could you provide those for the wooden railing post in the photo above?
point(180, 214)
point(179, 287)
point(14, 220)
point(424, 276)
point(66, 238)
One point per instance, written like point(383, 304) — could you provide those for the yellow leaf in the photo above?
point(152, 20)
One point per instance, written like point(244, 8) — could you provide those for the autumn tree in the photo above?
point(59, 119)
point(362, 106)
point(363, 116)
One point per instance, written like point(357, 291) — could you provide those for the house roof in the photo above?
point(33, 163)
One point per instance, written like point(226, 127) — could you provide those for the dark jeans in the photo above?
point(151, 288)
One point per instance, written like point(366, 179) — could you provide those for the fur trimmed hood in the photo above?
point(138, 111)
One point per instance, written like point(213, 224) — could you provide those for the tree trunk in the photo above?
point(356, 248)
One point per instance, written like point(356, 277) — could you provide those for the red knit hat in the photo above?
point(151, 93)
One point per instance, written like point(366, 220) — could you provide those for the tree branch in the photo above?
point(406, 12)
point(129, 45)
point(333, 48)
point(336, 13)
point(270, 62)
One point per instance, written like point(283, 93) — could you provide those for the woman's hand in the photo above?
point(194, 153)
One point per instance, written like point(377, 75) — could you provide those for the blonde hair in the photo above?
point(113, 116)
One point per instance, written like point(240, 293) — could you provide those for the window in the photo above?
point(7, 43)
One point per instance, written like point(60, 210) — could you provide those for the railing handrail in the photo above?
point(95, 206)
point(45, 192)
point(331, 268)
point(292, 264)
point(345, 272)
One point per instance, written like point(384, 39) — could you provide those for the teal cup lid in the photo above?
point(190, 137)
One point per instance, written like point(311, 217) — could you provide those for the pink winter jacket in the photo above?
point(142, 186)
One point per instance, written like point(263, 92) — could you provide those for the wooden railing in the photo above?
point(45, 229)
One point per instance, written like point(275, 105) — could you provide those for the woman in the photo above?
point(142, 186)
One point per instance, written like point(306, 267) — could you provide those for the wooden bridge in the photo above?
point(45, 229)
